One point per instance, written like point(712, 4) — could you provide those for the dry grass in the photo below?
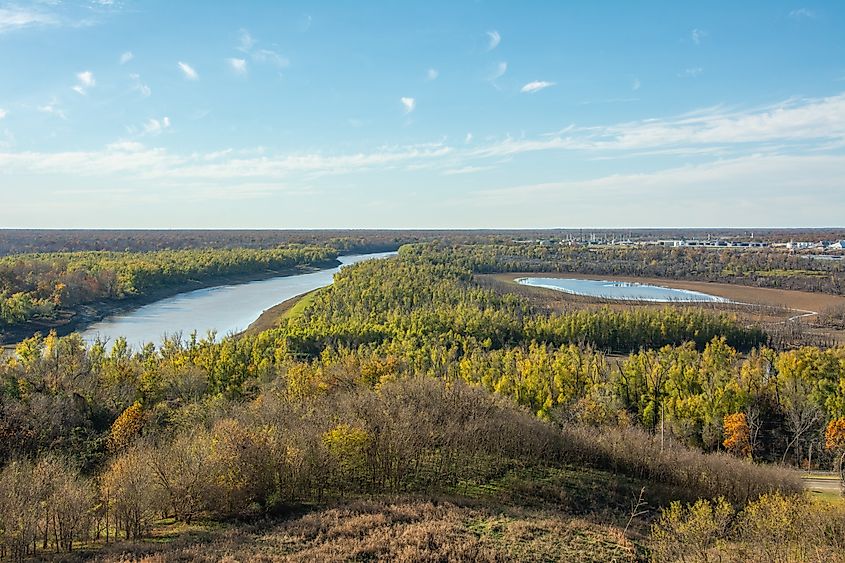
point(402, 530)
point(638, 454)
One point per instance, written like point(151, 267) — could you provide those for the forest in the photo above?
point(407, 379)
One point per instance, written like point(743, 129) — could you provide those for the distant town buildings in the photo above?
point(593, 239)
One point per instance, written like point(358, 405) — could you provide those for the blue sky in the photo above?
point(446, 114)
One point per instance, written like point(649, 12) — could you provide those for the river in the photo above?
point(225, 309)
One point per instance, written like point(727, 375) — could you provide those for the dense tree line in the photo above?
point(21, 241)
point(35, 241)
point(771, 268)
point(38, 285)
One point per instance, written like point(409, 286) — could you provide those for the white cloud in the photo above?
point(785, 145)
point(237, 65)
point(408, 103)
point(268, 56)
point(245, 41)
point(3, 113)
point(188, 71)
point(536, 86)
point(154, 163)
point(808, 122)
point(52, 108)
point(802, 13)
point(432, 74)
point(139, 86)
point(691, 72)
point(635, 85)
point(465, 170)
point(155, 126)
point(84, 82)
point(746, 186)
point(7, 140)
point(126, 57)
point(271, 57)
point(86, 78)
point(500, 71)
point(493, 39)
point(697, 35)
point(12, 18)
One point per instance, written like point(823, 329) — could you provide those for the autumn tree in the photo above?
point(737, 435)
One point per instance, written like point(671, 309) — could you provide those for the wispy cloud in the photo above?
point(237, 65)
point(271, 57)
point(789, 141)
point(52, 108)
point(3, 113)
point(802, 13)
point(737, 189)
point(305, 22)
point(465, 170)
point(432, 74)
point(12, 18)
point(84, 82)
point(188, 71)
point(245, 41)
point(493, 39)
point(799, 123)
point(156, 126)
point(139, 86)
point(608, 101)
point(224, 166)
point(697, 35)
point(635, 85)
point(408, 103)
point(499, 71)
point(126, 57)
point(691, 72)
point(536, 86)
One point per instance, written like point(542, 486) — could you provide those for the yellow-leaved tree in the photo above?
point(737, 435)
point(127, 426)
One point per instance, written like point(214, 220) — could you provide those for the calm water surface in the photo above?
point(623, 291)
point(225, 309)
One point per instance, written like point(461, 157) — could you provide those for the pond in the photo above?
point(622, 291)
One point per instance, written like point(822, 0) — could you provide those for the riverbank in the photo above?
point(271, 317)
point(90, 313)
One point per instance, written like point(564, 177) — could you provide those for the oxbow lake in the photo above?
point(225, 309)
point(622, 291)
